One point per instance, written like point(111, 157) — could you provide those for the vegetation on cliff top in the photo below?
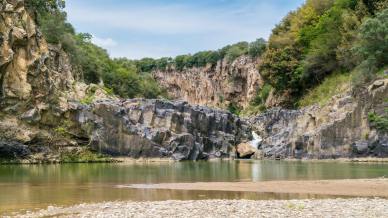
point(324, 37)
point(202, 58)
point(93, 63)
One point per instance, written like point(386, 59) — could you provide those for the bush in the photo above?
point(331, 86)
point(150, 88)
point(234, 108)
point(362, 74)
point(379, 122)
point(262, 95)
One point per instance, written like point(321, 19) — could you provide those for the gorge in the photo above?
point(294, 125)
point(48, 113)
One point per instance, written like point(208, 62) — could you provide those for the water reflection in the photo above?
point(37, 186)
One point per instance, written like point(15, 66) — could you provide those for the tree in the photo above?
point(45, 6)
point(279, 68)
point(146, 65)
point(236, 50)
point(373, 39)
point(54, 26)
point(375, 5)
point(181, 61)
point(257, 47)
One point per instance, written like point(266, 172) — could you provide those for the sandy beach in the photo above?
point(353, 187)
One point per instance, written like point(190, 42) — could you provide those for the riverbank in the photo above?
point(105, 159)
point(358, 207)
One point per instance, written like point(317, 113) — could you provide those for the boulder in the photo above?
point(31, 116)
point(245, 150)
point(13, 150)
point(360, 147)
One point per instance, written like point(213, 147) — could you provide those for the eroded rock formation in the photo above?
point(339, 129)
point(215, 86)
point(160, 129)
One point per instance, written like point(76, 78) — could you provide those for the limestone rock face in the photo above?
point(30, 70)
point(215, 86)
point(155, 128)
point(339, 129)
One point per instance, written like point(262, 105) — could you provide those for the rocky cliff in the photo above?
point(36, 85)
point(339, 129)
point(33, 74)
point(214, 85)
point(160, 129)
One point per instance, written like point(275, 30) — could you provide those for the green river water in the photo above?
point(37, 186)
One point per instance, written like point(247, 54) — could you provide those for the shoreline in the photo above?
point(114, 160)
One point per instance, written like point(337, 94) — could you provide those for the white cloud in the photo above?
point(104, 42)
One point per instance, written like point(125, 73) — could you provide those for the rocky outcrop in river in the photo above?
point(160, 129)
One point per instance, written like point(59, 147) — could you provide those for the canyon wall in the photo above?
point(339, 129)
point(215, 86)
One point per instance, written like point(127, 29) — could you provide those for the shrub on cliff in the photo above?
point(379, 122)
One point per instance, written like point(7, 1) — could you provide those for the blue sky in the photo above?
point(160, 28)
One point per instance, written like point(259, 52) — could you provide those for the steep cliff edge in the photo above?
point(214, 85)
point(37, 84)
